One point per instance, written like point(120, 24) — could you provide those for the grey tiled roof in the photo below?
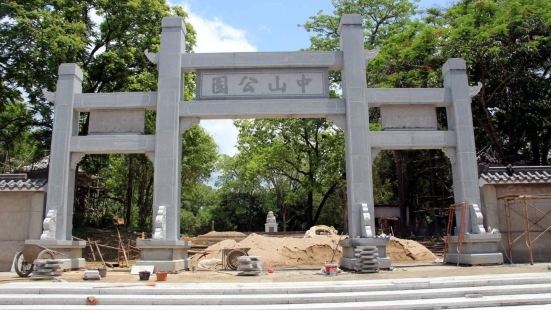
point(19, 182)
point(516, 175)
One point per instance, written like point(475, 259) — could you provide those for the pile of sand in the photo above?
point(404, 250)
point(280, 251)
point(227, 234)
point(312, 250)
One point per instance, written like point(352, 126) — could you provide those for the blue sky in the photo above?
point(254, 25)
point(271, 25)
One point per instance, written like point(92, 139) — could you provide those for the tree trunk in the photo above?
point(129, 190)
point(309, 208)
point(401, 174)
point(326, 196)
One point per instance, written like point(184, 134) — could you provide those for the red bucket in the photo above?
point(331, 268)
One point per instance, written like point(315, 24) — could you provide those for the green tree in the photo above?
point(299, 161)
point(107, 39)
point(381, 19)
point(506, 44)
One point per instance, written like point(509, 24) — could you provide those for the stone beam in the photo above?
point(412, 140)
point(113, 144)
point(262, 108)
point(403, 96)
point(331, 60)
point(105, 101)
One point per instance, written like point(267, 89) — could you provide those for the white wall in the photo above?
point(20, 219)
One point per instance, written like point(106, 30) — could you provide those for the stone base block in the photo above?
point(349, 260)
point(350, 263)
point(166, 255)
point(475, 249)
point(170, 266)
point(70, 252)
point(475, 259)
point(384, 263)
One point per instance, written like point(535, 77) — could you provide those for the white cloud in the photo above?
point(224, 133)
point(215, 36)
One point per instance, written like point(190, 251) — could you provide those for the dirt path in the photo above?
point(294, 275)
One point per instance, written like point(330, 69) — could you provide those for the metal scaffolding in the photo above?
point(532, 215)
point(460, 207)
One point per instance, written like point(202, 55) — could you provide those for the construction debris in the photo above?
point(91, 274)
point(46, 269)
point(249, 266)
point(320, 230)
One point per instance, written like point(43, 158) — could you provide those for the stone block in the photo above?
point(475, 258)
point(117, 122)
point(166, 255)
point(476, 249)
point(409, 117)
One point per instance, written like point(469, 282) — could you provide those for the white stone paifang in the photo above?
point(160, 223)
point(366, 222)
point(477, 219)
point(49, 226)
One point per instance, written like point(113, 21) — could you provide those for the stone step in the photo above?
point(537, 300)
point(418, 293)
point(101, 288)
point(268, 299)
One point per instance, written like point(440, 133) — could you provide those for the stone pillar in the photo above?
point(168, 253)
point(358, 151)
point(478, 247)
point(457, 90)
point(61, 174)
point(168, 144)
point(61, 180)
point(360, 205)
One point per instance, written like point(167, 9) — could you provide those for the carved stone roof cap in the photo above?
point(19, 182)
point(516, 175)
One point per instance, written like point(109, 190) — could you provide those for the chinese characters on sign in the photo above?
point(273, 83)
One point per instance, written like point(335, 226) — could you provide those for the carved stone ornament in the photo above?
point(49, 226)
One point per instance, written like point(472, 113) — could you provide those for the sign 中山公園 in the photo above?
point(262, 83)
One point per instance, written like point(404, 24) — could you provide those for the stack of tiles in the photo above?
point(367, 259)
point(249, 265)
point(46, 269)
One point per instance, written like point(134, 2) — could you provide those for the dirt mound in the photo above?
point(226, 234)
point(404, 250)
point(280, 251)
point(311, 250)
